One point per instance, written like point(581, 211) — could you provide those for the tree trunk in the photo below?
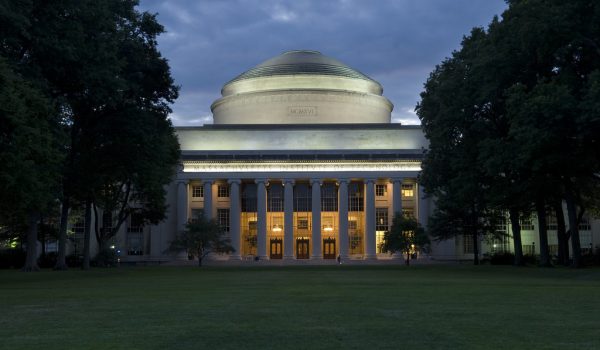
point(475, 249)
point(32, 238)
point(199, 260)
point(572, 213)
point(561, 234)
point(85, 265)
point(407, 262)
point(543, 233)
point(61, 260)
point(517, 242)
point(42, 236)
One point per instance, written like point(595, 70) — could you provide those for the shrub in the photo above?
point(48, 260)
point(12, 258)
point(74, 260)
point(106, 258)
point(502, 258)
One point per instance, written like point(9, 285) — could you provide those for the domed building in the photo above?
point(302, 162)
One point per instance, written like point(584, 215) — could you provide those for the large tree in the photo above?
point(528, 88)
point(29, 154)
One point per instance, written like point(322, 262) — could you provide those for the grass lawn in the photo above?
point(302, 307)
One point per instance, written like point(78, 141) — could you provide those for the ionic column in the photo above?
point(422, 209)
point(397, 196)
point(370, 220)
point(235, 213)
point(288, 219)
point(343, 217)
point(316, 219)
point(182, 204)
point(208, 199)
point(261, 208)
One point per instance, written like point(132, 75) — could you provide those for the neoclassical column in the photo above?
point(316, 219)
point(370, 252)
point(182, 204)
point(343, 217)
point(208, 198)
point(288, 219)
point(235, 213)
point(261, 208)
point(397, 195)
point(422, 209)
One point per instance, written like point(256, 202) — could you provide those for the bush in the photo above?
point(502, 258)
point(12, 258)
point(74, 260)
point(529, 259)
point(48, 260)
point(106, 258)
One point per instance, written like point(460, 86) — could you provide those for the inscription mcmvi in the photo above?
point(303, 111)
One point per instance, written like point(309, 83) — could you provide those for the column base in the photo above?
point(370, 257)
point(235, 257)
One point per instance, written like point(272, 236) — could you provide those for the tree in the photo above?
point(29, 154)
point(405, 236)
point(523, 96)
point(200, 238)
point(112, 89)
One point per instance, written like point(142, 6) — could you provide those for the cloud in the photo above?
point(395, 42)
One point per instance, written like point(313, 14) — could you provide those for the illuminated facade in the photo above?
point(302, 162)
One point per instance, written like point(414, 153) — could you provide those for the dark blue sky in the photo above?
point(396, 42)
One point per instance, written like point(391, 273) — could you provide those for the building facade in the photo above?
point(302, 162)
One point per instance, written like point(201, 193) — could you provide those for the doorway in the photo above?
point(329, 248)
point(276, 248)
point(302, 248)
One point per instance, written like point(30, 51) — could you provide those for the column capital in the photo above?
point(343, 179)
point(208, 181)
point(315, 181)
point(370, 180)
point(291, 182)
point(264, 181)
point(397, 179)
point(234, 181)
point(183, 181)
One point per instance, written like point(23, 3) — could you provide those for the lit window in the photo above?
point(526, 224)
point(329, 197)
point(79, 226)
point(197, 191)
point(380, 190)
point(355, 197)
point(381, 219)
point(223, 191)
point(275, 198)
point(107, 221)
point(135, 243)
point(136, 223)
point(584, 224)
point(468, 244)
point(408, 190)
point(302, 224)
point(223, 215)
point(551, 223)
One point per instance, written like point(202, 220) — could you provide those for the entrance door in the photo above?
point(302, 250)
point(276, 248)
point(329, 248)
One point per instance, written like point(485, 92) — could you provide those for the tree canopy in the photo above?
point(513, 120)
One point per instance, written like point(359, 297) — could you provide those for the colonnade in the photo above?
point(288, 216)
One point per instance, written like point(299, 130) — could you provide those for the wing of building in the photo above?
point(302, 162)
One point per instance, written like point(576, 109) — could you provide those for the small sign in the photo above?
point(303, 111)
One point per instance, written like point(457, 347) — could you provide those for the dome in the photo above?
point(301, 62)
point(300, 87)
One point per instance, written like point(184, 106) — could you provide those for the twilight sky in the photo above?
point(396, 42)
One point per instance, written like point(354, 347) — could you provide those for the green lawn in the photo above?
point(310, 307)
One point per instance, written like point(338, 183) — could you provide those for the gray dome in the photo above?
point(297, 62)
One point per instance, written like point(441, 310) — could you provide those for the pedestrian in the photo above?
point(339, 259)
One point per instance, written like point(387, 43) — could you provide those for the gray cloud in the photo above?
point(396, 42)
